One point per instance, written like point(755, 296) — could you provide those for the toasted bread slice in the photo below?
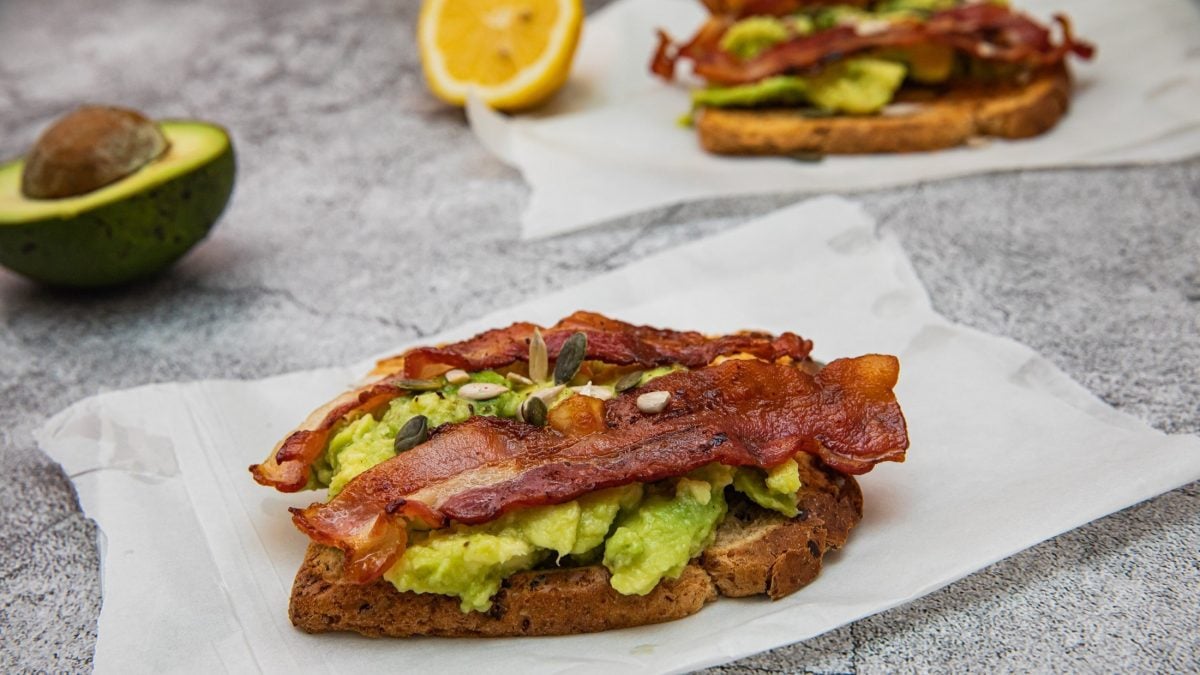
point(928, 121)
point(756, 551)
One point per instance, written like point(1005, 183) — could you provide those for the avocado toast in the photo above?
point(787, 77)
point(498, 485)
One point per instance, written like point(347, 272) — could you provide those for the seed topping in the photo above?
point(595, 391)
point(629, 381)
point(570, 358)
point(480, 391)
point(548, 394)
point(419, 385)
point(653, 402)
point(414, 432)
point(534, 411)
point(517, 378)
point(539, 361)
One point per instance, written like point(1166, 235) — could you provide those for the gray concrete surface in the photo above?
point(366, 215)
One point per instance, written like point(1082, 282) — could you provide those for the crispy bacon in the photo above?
point(289, 465)
point(737, 413)
point(985, 31)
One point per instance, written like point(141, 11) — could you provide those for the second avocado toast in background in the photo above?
point(866, 76)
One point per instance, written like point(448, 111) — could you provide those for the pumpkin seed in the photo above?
point(570, 358)
point(539, 361)
point(458, 376)
point(628, 382)
point(413, 433)
point(517, 378)
point(480, 391)
point(534, 411)
point(419, 385)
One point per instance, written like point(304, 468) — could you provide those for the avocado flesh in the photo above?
point(123, 231)
point(659, 529)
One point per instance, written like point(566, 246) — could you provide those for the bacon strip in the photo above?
point(986, 31)
point(288, 466)
point(738, 413)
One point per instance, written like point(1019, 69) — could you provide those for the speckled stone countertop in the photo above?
point(365, 214)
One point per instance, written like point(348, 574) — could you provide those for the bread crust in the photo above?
point(756, 551)
point(940, 120)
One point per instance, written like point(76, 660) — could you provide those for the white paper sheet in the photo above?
point(1006, 452)
point(609, 146)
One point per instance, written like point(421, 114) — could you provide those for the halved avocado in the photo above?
point(128, 229)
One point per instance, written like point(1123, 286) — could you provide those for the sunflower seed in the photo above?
point(517, 378)
point(872, 27)
point(630, 381)
point(457, 376)
point(413, 433)
point(653, 402)
point(419, 385)
point(595, 391)
point(548, 394)
point(481, 391)
point(533, 411)
point(570, 357)
point(539, 362)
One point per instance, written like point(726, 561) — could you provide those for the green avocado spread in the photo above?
point(861, 85)
point(858, 86)
point(643, 533)
point(666, 530)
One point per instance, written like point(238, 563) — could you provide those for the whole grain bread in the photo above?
point(926, 120)
point(756, 551)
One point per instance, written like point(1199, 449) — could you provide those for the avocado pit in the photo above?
point(89, 148)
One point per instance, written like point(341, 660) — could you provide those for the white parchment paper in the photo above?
point(609, 146)
point(1006, 451)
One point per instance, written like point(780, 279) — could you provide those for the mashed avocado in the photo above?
point(925, 6)
point(471, 562)
point(666, 531)
point(856, 86)
point(927, 63)
point(779, 90)
point(365, 442)
point(658, 372)
point(860, 85)
point(750, 37)
point(920, 7)
point(775, 489)
point(831, 17)
point(642, 533)
point(658, 529)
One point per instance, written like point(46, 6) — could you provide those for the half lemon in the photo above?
point(513, 54)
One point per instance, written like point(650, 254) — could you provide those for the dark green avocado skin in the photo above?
point(126, 240)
